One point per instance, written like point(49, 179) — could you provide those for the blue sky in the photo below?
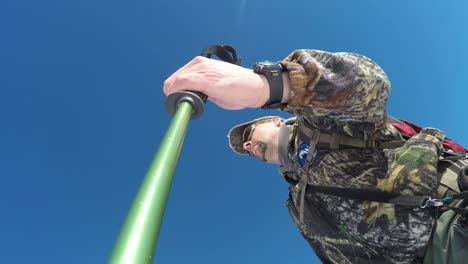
point(82, 115)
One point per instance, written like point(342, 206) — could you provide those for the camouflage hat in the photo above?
point(236, 135)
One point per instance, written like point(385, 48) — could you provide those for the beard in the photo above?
point(261, 149)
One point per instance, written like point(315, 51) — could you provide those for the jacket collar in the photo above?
point(284, 138)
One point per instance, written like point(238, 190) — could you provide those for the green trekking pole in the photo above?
point(139, 234)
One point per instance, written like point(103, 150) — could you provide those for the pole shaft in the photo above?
point(139, 234)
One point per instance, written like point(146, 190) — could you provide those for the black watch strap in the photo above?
point(274, 74)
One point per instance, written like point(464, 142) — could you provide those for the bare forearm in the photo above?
point(227, 85)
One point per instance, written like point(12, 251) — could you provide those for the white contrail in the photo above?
point(241, 13)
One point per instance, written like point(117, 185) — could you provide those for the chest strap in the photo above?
point(393, 198)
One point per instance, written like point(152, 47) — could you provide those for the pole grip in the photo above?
point(196, 99)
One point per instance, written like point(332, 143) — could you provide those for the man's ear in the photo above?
point(276, 120)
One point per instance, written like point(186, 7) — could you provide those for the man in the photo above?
point(341, 138)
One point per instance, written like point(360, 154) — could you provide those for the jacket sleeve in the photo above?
point(343, 92)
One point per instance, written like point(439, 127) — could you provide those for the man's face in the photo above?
point(261, 141)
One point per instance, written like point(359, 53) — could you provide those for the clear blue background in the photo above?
point(82, 114)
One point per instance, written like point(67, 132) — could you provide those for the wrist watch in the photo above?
point(273, 71)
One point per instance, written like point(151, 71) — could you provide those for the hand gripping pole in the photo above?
point(197, 99)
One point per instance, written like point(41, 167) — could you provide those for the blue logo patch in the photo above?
point(302, 153)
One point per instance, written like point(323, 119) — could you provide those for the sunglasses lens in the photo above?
point(248, 133)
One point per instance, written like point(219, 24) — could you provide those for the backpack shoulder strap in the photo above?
point(334, 141)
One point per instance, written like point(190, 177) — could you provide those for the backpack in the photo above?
point(450, 231)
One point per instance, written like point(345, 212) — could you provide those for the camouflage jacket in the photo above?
point(347, 93)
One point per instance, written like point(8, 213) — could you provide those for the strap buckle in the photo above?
point(431, 202)
point(372, 144)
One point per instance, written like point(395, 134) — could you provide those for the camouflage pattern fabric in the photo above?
point(341, 92)
point(347, 94)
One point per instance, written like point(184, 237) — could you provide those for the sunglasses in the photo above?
point(247, 135)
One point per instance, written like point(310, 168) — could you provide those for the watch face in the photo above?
point(260, 66)
point(266, 63)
